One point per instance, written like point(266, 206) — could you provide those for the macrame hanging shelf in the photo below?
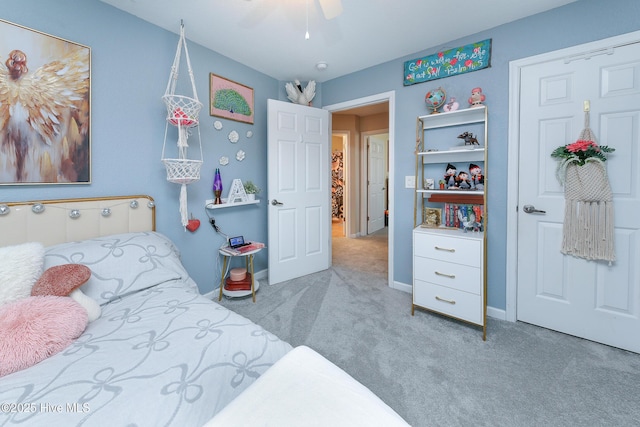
point(182, 113)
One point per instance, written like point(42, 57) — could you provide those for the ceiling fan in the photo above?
point(331, 8)
point(261, 9)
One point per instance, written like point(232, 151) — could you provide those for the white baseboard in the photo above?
point(402, 287)
point(496, 313)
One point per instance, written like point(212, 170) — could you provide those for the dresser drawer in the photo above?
point(446, 248)
point(452, 302)
point(456, 276)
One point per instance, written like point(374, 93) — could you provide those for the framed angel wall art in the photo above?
point(44, 108)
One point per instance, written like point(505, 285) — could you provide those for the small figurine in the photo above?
point(450, 176)
point(477, 180)
point(477, 97)
point(471, 223)
point(452, 105)
point(469, 138)
point(462, 181)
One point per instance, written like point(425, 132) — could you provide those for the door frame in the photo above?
point(389, 97)
point(582, 51)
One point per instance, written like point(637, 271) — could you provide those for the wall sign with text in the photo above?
point(447, 63)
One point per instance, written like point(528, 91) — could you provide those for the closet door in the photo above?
point(588, 299)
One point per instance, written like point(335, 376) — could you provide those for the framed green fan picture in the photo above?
point(230, 100)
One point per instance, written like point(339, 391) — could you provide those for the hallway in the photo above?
point(362, 254)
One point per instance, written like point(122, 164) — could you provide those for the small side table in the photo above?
point(248, 257)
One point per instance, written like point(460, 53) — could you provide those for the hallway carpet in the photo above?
point(435, 371)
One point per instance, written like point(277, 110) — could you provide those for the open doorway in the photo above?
point(339, 144)
point(355, 123)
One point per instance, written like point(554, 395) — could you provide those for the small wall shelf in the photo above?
point(209, 204)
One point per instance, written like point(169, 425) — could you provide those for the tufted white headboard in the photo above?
point(66, 220)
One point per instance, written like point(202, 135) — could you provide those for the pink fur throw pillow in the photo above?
point(34, 328)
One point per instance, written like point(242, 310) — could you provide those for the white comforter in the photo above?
point(303, 389)
point(158, 356)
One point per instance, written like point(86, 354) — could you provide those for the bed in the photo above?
point(158, 353)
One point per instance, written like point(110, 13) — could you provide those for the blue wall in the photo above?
point(131, 61)
point(576, 23)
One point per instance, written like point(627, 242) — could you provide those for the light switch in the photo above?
point(410, 181)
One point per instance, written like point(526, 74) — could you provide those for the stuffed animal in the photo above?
point(450, 176)
point(477, 179)
point(462, 181)
point(477, 97)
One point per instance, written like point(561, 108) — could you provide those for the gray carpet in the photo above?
point(435, 371)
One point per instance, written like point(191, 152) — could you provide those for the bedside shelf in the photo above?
point(209, 204)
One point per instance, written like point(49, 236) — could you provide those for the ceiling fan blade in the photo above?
point(331, 8)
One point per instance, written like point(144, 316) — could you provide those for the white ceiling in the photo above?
point(268, 35)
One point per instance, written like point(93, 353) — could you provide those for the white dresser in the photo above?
point(448, 273)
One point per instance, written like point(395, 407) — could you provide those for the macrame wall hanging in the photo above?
point(588, 228)
point(182, 113)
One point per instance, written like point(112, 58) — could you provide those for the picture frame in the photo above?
point(49, 140)
point(432, 217)
point(230, 100)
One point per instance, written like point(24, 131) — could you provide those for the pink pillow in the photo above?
point(34, 328)
point(61, 280)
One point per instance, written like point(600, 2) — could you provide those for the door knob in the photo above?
point(274, 202)
point(531, 209)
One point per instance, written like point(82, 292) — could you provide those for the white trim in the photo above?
point(515, 68)
point(390, 97)
point(496, 313)
point(403, 287)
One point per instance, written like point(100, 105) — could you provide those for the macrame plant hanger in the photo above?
point(182, 113)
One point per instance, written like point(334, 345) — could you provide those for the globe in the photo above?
point(435, 99)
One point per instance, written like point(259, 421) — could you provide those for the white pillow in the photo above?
point(93, 308)
point(121, 263)
point(20, 267)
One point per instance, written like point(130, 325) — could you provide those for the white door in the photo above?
point(298, 190)
point(376, 190)
point(588, 299)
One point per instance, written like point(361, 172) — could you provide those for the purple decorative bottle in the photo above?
point(217, 187)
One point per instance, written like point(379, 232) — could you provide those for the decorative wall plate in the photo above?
point(240, 155)
point(217, 124)
point(249, 133)
point(233, 136)
point(224, 160)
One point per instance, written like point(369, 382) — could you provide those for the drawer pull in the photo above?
point(451, 276)
point(438, 248)
point(446, 300)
